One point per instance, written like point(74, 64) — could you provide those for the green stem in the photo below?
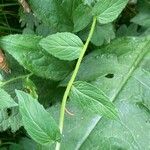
point(17, 78)
point(63, 105)
point(9, 4)
point(12, 29)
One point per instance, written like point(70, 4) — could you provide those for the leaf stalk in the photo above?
point(70, 83)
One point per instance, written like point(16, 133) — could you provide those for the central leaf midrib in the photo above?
point(137, 61)
point(95, 100)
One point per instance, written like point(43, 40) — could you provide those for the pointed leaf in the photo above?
point(5, 100)
point(65, 46)
point(36, 120)
point(108, 10)
point(91, 98)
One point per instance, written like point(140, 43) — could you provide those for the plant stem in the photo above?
point(66, 94)
point(16, 78)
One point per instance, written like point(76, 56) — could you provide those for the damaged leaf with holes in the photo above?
point(121, 71)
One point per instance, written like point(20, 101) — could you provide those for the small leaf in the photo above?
point(93, 99)
point(107, 11)
point(65, 46)
point(10, 120)
point(36, 120)
point(30, 87)
point(81, 17)
point(5, 100)
point(102, 34)
point(89, 2)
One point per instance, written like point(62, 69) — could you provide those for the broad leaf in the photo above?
point(65, 46)
point(5, 100)
point(121, 70)
point(36, 120)
point(93, 99)
point(51, 13)
point(26, 50)
point(107, 11)
point(82, 16)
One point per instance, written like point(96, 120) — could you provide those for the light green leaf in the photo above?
point(93, 99)
point(65, 46)
point(5, 100)
point(81, 17)
point(121, 70)
point(27, 51)
point(89, 2)
point(107, 11)
point(36, 120)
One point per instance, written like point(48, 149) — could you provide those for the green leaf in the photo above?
point(107, 11)
point(24, 144)
point(36, 120)
point(143, 17)
point(93, 99)
point(89, 2)
point(81, 17)
point(51, 13)
point(65, 46)
point(69, 6)
point(121, 70)
point(5, 100)
point(102, 34)
point(131, 30)
point(11, 121)
point(26, 50)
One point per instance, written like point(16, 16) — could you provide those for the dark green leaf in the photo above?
point(93, 99)
point(143, 17)
point(36, 120)
point(131, 30)
point(65, 46)
point(81, 17)
point(51, 13)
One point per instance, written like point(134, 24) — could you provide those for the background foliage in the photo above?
point(116, 67)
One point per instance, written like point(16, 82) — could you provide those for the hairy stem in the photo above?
point(66, 94)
